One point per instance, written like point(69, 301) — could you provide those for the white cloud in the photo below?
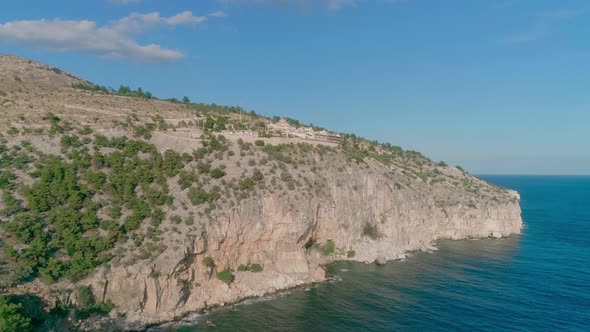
point(135, 23)
point(275, 2)
point(218, 14)
point(124, 2)
point(331, 4)
point(113, 40)
point(185, 17)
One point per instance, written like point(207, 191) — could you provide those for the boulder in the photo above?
point(380, 261)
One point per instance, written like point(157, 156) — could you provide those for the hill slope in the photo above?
point(165, 208)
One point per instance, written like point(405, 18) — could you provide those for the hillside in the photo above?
point(165, 208)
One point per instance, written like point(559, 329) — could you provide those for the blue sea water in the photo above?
point(537, 281)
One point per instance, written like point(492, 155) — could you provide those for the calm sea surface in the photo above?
point(538, 281)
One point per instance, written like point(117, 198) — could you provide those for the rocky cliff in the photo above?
point(249, 216)
point(273, 230)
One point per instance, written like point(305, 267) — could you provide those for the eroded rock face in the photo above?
point(276, 231)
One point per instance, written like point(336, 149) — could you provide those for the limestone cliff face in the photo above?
point(273, 230)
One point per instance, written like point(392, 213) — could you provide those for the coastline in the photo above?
point(284, 292)
point(181, 320)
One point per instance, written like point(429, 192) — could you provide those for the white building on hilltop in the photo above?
point(283, 128)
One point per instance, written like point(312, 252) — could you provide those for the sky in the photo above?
point(496, 86)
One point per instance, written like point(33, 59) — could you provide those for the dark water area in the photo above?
point(537, 281)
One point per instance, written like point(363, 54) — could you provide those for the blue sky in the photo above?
point(495, 86)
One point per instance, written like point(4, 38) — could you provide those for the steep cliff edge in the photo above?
point(166, 208)
point(276, 231)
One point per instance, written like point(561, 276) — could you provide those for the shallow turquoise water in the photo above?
point(538, 281)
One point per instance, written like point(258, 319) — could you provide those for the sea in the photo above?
point(536, 281)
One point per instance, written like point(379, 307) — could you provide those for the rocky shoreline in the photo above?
point(122, 324)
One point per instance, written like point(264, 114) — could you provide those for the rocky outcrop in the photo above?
point(367, 216)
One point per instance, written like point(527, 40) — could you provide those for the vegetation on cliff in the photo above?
point(12, 318)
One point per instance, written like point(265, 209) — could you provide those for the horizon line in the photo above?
point(527, 174)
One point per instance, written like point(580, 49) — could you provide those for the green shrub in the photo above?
point(255, 267)
point(176, 219)
point(247, 184)
point(199, 153)
point(203, 168)
point(85, 131)
point(12, 319)
point(208, 262)
point(13, 131)
point(259, 142)
point(52, 271)
point(217, 173)
point(95, 179)
point(11, 204)
point(104, 308)
point(68, 141)
point(250, 267)
point(25, 228)
point(257, 175)
point(186, 179)
point(115, 211)
point(157, 216)
point(187, 158)
point(143, 131)
point(133, 221)
point(350, 253)
point(291, 185)
point(6, 178)
point(21, 160)
point(310, 244)
point(157, 197)
point(279, 152)
point(138, 93)
point(328, 248)
point(199, 196)
point(87, 306)
point(85, 298)
point(371, 231)
point(226, 276)
point(190, 220)
point(172, 162)
point(101, 140)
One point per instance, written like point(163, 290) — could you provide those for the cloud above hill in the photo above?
point(115, 39)
point(124, 2)
point(331, 4)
